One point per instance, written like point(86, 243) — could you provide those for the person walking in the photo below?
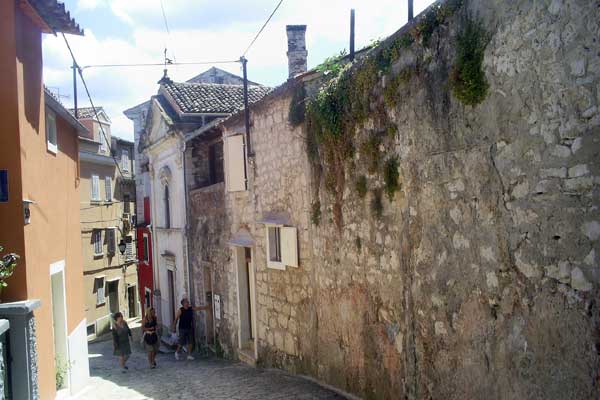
point(185, 316)
point(151, 341)
point(121, 334)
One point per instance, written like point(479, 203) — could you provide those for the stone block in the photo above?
point(579, 281)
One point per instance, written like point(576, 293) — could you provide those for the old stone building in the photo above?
point(444, 242)
point(178, 113)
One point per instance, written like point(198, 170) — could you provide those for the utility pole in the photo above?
point(410, 10)
point(75, 70)
point(352, 34)
point(248, 146)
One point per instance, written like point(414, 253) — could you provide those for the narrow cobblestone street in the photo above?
point(198, 379)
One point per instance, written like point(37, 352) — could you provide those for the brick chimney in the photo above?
point(296, 53)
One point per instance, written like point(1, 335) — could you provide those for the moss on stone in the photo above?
point(361, 186)
point(315, 213)
point(391, 177)
point(467, 78)
point(377, 204)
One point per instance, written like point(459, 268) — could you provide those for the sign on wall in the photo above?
point(3, 185)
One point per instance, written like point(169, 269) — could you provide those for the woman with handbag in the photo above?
point(151, 342)
point(121, 334)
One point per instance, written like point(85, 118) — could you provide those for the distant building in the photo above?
point(107, 218)
point(163, 125)
point(39, 210)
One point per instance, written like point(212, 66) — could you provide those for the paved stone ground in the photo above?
point(199, 379)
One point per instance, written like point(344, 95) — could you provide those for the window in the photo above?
point(111, 238)
point(99, 289)
point(91, 330)
point(146, 253)
point(51, 135)
point(147, 295)
point(108, 188)
point(103, 148)
point(282, 246)
point(126, 205)
point(215, 163)
point(97, 242)
point(274, 233)
point(95, 188)
point(167, 208)
point(125, 160)
point(236, 161)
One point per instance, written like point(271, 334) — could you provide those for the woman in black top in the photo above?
point(151, 341)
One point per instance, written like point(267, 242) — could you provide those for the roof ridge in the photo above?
point(218, 84)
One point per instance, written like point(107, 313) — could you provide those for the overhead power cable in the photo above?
point(87, 91)
point(263, 27)
point(159, 64)
point(164, 15)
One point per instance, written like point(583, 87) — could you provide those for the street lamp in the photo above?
point(122, 246)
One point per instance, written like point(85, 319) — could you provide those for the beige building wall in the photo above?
point(110, 278)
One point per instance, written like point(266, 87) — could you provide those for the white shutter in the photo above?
point(100, 299)
point(95, 187)
point(236, 177)
point(108, 188)
point(289, 246)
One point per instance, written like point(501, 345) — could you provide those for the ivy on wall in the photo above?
point(349, 97)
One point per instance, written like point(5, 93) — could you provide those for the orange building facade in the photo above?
point(39, 152)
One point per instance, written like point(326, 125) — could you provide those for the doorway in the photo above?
point(59, 323)
point(132, 301)
point(209, 317)
point(171, 283)
point(112, 287)
point(246, 296)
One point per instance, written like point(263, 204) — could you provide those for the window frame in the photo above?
point(95, 183)
point(51, 123)
point(97, 242)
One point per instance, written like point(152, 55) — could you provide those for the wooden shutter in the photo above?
point(108, 188)
point(289, 246)
point(236, 174)
point(110, 239)
point(95, 187)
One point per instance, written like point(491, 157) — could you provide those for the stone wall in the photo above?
point(480, 278)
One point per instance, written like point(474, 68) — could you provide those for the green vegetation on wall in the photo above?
point(353, 92)
point(467, 79)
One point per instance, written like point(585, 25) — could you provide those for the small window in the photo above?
point(99, 289)
point(51, 135)
point(111, 238)
point(215, 163)
point(282, 246)
point(91, 330)
point(103, 147)
point(167, 208)
point(125, 160)
point(274, 236)
point(146, 253)
point(108, 188)
point(147, 297)
point(97, 242)
point(95, 188)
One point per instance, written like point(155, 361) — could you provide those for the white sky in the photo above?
point(133, 31)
